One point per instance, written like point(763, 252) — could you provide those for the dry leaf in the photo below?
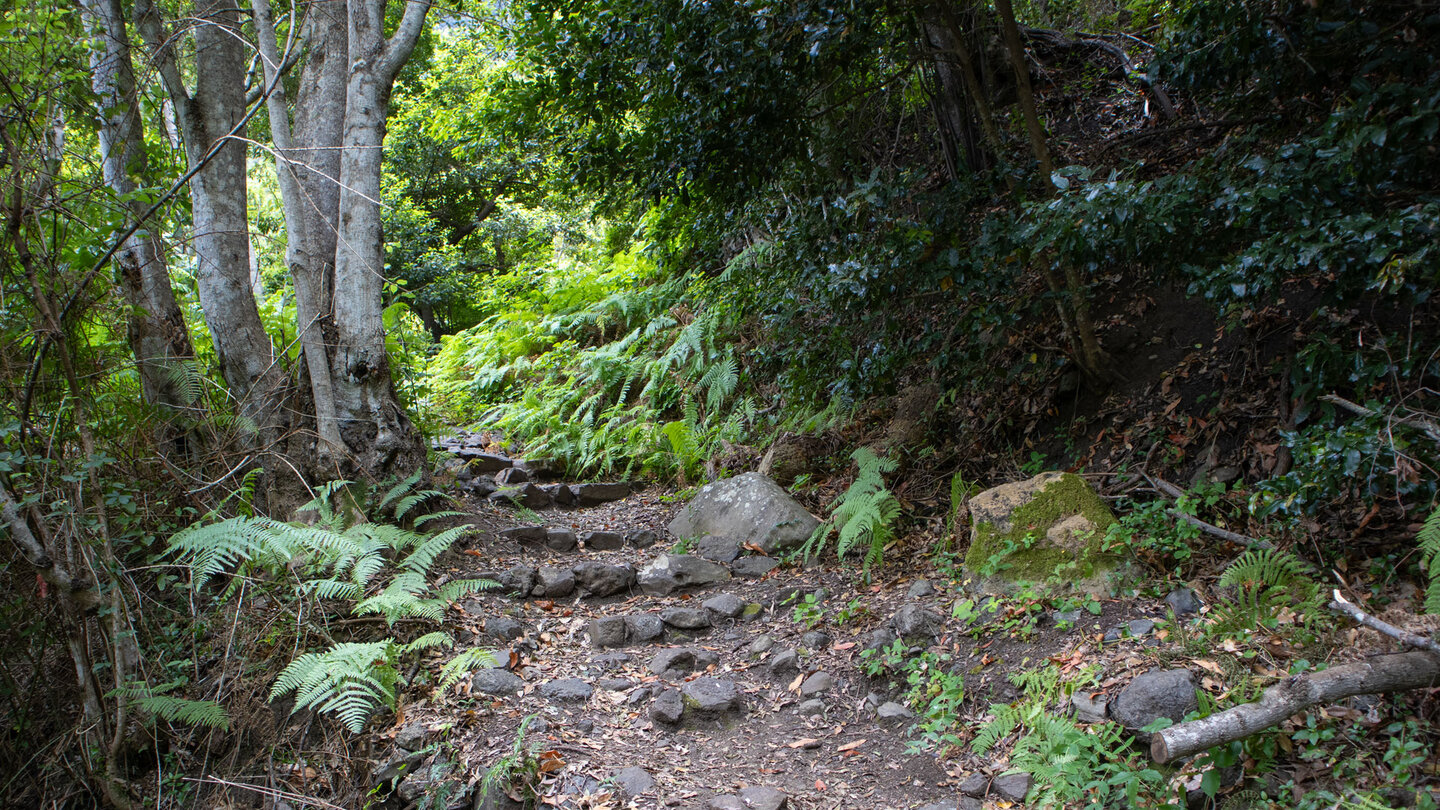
point(851, 746)
point(802, 743)
point(795, 684)
point(820, 785)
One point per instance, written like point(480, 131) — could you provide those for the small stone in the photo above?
point(1068, 618)
point(811, 708)
point(1088, 708)
point(554, 582)
point(412, 736)
point(763, 798)
point(719, 549)
point(642, 538)
point(752, 612)
point(673, 662)
point(816, 640)
point(504, 628)
point(710, 696)
point(667, 707)
point(608, 631)
point(596, 494)
point(561, 493)
point(725, 605)
point(567, 690)
point(484, 462)
point(496, 682)
point(1114, 634)
point(1183, 601)
point(601, 579)
point(753, 567)
point(614, 684)
point(604, 662)
point(524, 534)
point(976, 784)
point(761, 645)
point(1152, 695)
point(518, 580)
point(668, 573)
point(1012, 786)
point(686, 618)
point(533, 496)
point(1140, 627)
point(817, 684)
point(643, 627)
point(785, 662)
point(880, 639)
point(511, 476)
point(633, 781)
point(602, 541)
point(891, 713)
point(919, 589)
point(916, 621)
point(561, 540)
point(726, 802)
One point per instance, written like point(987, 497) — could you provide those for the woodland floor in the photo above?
point(842, 758)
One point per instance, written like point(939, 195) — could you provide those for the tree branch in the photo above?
point(402, 42)
point(1341, 605)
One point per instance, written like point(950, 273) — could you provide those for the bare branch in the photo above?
point(402, 42)
point(1341, 605)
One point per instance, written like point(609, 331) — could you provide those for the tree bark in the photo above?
point(1386, 673)
point(1023, 89)
point(157, 334)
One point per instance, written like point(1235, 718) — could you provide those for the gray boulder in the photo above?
point(567, 690)
point(602, 541)
point(709, 696)
point(518, 580)
point(725, 605)
point(602, 579)
point(633, 781)
point(561, 540)
point(917, 621)
point(643, 627)
point(668, 573)
point(496, 682)
point(686, 618)
point(719, 549)
point(759, 797)
point(1183, 601)
point(642, 538)
point(554, 581)
point(1155, 694)
point(608, 631)
point(750, 508)
point(753, 567)
point(596, 494)
point(817, 684)
point(524, 534)
point(483, 462)
point(667, 707)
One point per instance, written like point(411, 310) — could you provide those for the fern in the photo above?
point(349, 680)
point(173, 709)
point(461, 665)
point(1429, 539)
point(864, 514)
point(1006, 720)
point(1264, 568)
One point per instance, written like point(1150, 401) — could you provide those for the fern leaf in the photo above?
point(433, 639)
point(349, 680)
point(401, 488)
point(461, 665)
point(205, 713)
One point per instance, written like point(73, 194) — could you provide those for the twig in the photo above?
point(1341, 605)
point(1173, 491)
point(1425, 426)
point(267, 791)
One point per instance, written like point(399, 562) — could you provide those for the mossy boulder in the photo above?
point(1046, 530)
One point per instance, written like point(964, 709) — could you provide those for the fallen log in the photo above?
point(1385, 673)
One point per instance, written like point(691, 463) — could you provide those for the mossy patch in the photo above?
point(1020, 550)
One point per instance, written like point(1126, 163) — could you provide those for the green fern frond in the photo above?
point(1264, 568)
point(463, 664)
point(334, 589)
point(457, 589)
point(205, 713)
point(420, 560)
point(349, 680)
point(401, 488)
point(429, 640)
point(1429, 540)
point(1006, 720)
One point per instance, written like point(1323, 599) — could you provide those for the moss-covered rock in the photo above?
point(1047, 530)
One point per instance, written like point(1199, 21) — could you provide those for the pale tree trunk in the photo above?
point(211, 125)
point(157, 334)
point(330, 165)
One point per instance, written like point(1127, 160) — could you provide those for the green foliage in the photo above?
point(863, 516)
point(1429, 540)
point(1265, 582)
point(154, 701)
point(463, 664)
point(349, 680)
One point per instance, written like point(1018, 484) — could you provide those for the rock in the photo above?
point(496, 682)
point(976, 784)
point(709, 696)
point(633, 781)
point(668, 573)
point(504, 628)
point(761, 645)
point(560, 493)
point(412, 736)
point(817, 684)
point(753, 567)
point(432, 781)
point(481, 486)
point(567, 690)
point(524, 534)
point(554, 582)
point(1012, 786)
point(614, 684)
point(643, 627)
point(642, 538)
point(397, 768)
point(533, 496)
point(725, 802)
point(608, 631)
point(540, 467)
point(811, 707)
point(518, 580)
point(1051, 521)
point(750, 508)
point(1140, 627)
point(891, 713)
point(667, 707)
point(816, 640)
point(561, 540)
point(719, 549)
point(752, 612)
point(915, 621)
point(686, 618)
point(484, 462)
point(512, 476)
point(785, 662)
point(880, 639)
point(1155, 694)
point(676, 662)
point(725, 605)
point(602, 541)
point(1089, 708)
point(758, 797)
point(1183, 601)
point(602, 579)
point(596, 494)
point(1066, 617)
point(919, 589)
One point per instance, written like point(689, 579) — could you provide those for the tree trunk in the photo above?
point(211, 125)
point(157, 334)
point(1023, 89)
